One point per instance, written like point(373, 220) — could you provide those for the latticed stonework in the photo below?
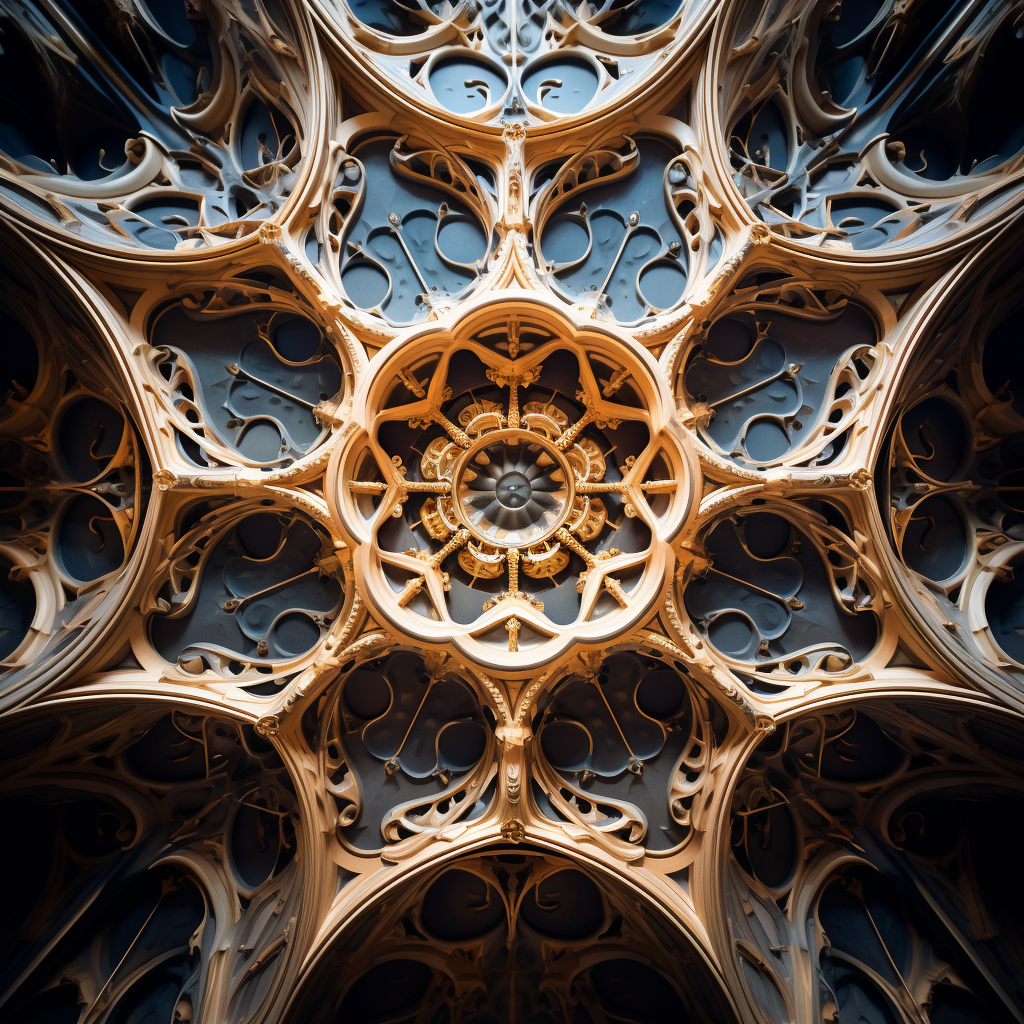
point(512, 512)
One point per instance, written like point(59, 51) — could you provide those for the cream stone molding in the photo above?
point(511, 512)
point(545, 65)
point(769, 110)
point(256, 122)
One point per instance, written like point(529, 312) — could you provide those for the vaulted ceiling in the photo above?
point(510, 512)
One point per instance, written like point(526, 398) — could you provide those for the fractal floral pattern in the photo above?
point(512, 512)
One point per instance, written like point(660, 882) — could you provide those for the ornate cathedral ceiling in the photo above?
point(512, 513)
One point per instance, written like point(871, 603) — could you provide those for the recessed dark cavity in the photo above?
point(17, 607)
point(367, 695)
point(460, 745)
point(565, 905)
point(256, 843)
point(860, 753)
point(1002, 363)
point(19, 359)
point(114, 864)
point(871, 919)
point(954, 463)
point(867, 136)
point(626, 19)
point(461, 905)
point(626, 986)
point(386, 16)
point(88, 542)
point(936, 436)
point(770, 844)
point(766, 132)
point(767, 535)
point(661, 695)
point(1004, 609)
point(614, 957)
point(83, 138)
point(390, 991)
point(171, 750)
point(89, 436)
point(935, 541)
point(566, 745)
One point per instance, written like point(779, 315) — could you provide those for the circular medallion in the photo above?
point(513, 489)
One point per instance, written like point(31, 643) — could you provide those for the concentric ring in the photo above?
point(513, 489)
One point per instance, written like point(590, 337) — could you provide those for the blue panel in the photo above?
point(409, 242)
point(626, 246)
point(405, 735)
point(463, 84)
point(256, 378)
point(88, 542)
point(759, 604)
point(766, 388)
point(258, 594)
point(625, 730)
point(564, 84)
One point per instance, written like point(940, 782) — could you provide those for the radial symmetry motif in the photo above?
point(512, 512)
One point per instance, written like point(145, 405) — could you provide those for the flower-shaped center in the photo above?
point(513, 490)
point(516, 485)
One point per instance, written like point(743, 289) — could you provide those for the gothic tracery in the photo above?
point(511, 511)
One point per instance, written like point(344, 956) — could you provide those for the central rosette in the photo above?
point(513, 489)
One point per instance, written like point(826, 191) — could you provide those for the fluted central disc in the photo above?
point(513, 490)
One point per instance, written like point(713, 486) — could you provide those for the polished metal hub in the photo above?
point(514, 490)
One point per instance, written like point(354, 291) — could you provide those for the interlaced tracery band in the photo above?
point(511, 511)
